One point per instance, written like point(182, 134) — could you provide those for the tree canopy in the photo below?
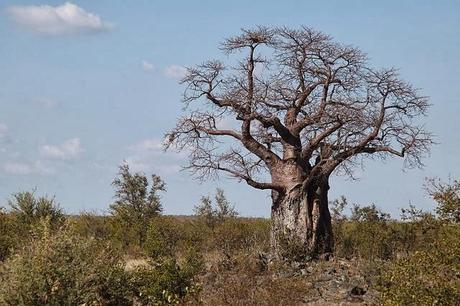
point(297, 96)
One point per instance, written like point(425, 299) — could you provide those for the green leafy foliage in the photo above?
point(425, 277)
point(232, 236)
point(337, 207)
point(369, 213)
point(135, 205)
point(217, 213)
point(163, 236)
point(90, 225)
point(62, 269)
point(162, 283)
point(7, 235)
point(28, 209)
point(357, 236)
point(447, 196)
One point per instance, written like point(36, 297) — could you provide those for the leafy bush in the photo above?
point(232, 236)
point(134, 205)
point(356, 237)
point(63, 269)
point(223, 209)
point(90, 225)
point(368, 213)
point(195, 233)
point(337, 207)
point(425, 277)
point(164, 282)
point(7, 235)
point(447, 195)
point(193, 261)
point(163, 236)
point(375, 240)
point(28, 210)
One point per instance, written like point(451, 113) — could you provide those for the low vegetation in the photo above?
point(137, 256)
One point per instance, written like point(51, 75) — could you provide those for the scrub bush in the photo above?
point(62, 269)
point(162, 282)
point(162, 237)
point(425, 277)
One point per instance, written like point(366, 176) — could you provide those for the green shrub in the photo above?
point(162, 237)
point(358, 239)
point(64, 269)
point(213, 216)
point(135, 205)
point(28, 210)
point(197, 234)
point(232, 236)
point(193, 261)
point(162, 283)
point(91, 225)
point(7, 234)
point(369, 213)
point(369, 234)
point(447, 196)
point(426, 277)
point(337, 207)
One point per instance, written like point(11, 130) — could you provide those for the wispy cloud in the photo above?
point(46, 102)
point(65, 19)
point(147, 146)
point(148, 156)
point(3, 130)
point(24, 168)
point(68, 150)
point(175, 71)
point(147, 66)
point(149, 166)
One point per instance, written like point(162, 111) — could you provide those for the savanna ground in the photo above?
point(137, 256)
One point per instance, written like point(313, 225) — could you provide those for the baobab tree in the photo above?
point(290, 108)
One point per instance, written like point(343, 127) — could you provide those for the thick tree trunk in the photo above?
point(301, 222)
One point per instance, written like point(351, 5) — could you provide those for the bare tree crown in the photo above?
point(300, 102)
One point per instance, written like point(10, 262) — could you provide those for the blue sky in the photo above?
point(80, 95)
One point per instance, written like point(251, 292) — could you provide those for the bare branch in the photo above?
point(300, 101)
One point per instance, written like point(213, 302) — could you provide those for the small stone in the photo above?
point(357, 291)
point(324, 278)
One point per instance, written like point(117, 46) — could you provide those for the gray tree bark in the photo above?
point(301, 218)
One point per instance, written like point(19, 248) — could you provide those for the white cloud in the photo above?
point(175, 71)
point(147, 145)
point(17, 168)
point(147, 66)
point(150, 166)
point(24, 168)
point(3, 130)
point(65, 19)
point(46, 102)
point(68, 150)
point(148, 156)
